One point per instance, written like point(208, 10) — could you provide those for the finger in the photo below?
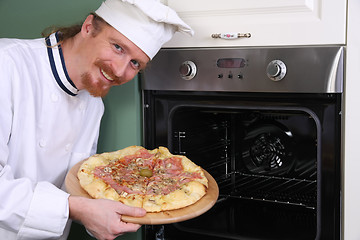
point(130, 227)
point(130, 211)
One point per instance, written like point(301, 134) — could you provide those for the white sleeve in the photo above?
point(35, 212)
point(47, 215)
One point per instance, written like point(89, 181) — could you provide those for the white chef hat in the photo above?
point(147, 23)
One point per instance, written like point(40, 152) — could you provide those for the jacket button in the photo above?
point(82, 107)
point(42, 143)
point(67, 147)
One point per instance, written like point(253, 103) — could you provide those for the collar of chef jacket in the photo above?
point(58, 67)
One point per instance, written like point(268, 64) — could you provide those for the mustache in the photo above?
point(108, 71)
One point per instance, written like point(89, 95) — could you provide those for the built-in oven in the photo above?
point(266, 124)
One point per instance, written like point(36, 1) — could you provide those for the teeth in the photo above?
point(106, 75)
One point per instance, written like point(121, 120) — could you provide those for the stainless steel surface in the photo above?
point(308, 70)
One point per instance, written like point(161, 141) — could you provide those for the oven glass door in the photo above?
point(275, 159)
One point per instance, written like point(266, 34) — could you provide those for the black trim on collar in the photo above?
point(57, 63)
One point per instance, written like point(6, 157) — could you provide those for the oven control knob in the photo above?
point(276, 70)
point(187, 70)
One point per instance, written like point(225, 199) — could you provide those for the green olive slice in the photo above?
point(145, 172)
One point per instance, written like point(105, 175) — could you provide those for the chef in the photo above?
point(50, 113)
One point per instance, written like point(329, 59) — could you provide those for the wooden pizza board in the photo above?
point(204, 204)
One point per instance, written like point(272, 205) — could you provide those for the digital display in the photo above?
point(231, 63)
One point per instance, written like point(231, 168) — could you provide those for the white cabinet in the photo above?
point(351, 128)
point(270, 22)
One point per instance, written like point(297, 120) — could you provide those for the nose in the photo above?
point(119, 67)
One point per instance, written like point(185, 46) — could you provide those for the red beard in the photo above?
point(99, 88)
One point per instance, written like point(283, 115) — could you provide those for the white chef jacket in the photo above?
point(46, 127)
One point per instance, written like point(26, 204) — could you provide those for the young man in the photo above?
point(50, 112)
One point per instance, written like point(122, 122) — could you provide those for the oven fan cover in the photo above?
point(268, 149)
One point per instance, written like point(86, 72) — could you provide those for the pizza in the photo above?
point(155, 180)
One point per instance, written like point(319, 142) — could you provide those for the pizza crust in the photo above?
point(188, 194)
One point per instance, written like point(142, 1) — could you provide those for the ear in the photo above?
point(87, 26)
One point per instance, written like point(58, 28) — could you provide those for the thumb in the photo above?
point(130, 211)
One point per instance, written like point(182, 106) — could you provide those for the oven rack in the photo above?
point(301, 192)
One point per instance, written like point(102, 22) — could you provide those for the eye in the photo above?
point(118, 47)
point(135, 63)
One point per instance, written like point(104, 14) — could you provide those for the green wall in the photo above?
point(121, 124)
point(28, 18)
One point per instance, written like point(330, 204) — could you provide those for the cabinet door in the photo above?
point(270, 22)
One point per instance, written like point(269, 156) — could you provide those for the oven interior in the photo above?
point(271, 160)
point(266, 156)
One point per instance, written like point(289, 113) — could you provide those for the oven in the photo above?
point(266, 124)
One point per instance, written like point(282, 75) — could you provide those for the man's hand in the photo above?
point(102, 217)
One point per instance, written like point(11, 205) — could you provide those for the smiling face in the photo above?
point(98, 60)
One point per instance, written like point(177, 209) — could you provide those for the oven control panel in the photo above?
point(278, 69)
